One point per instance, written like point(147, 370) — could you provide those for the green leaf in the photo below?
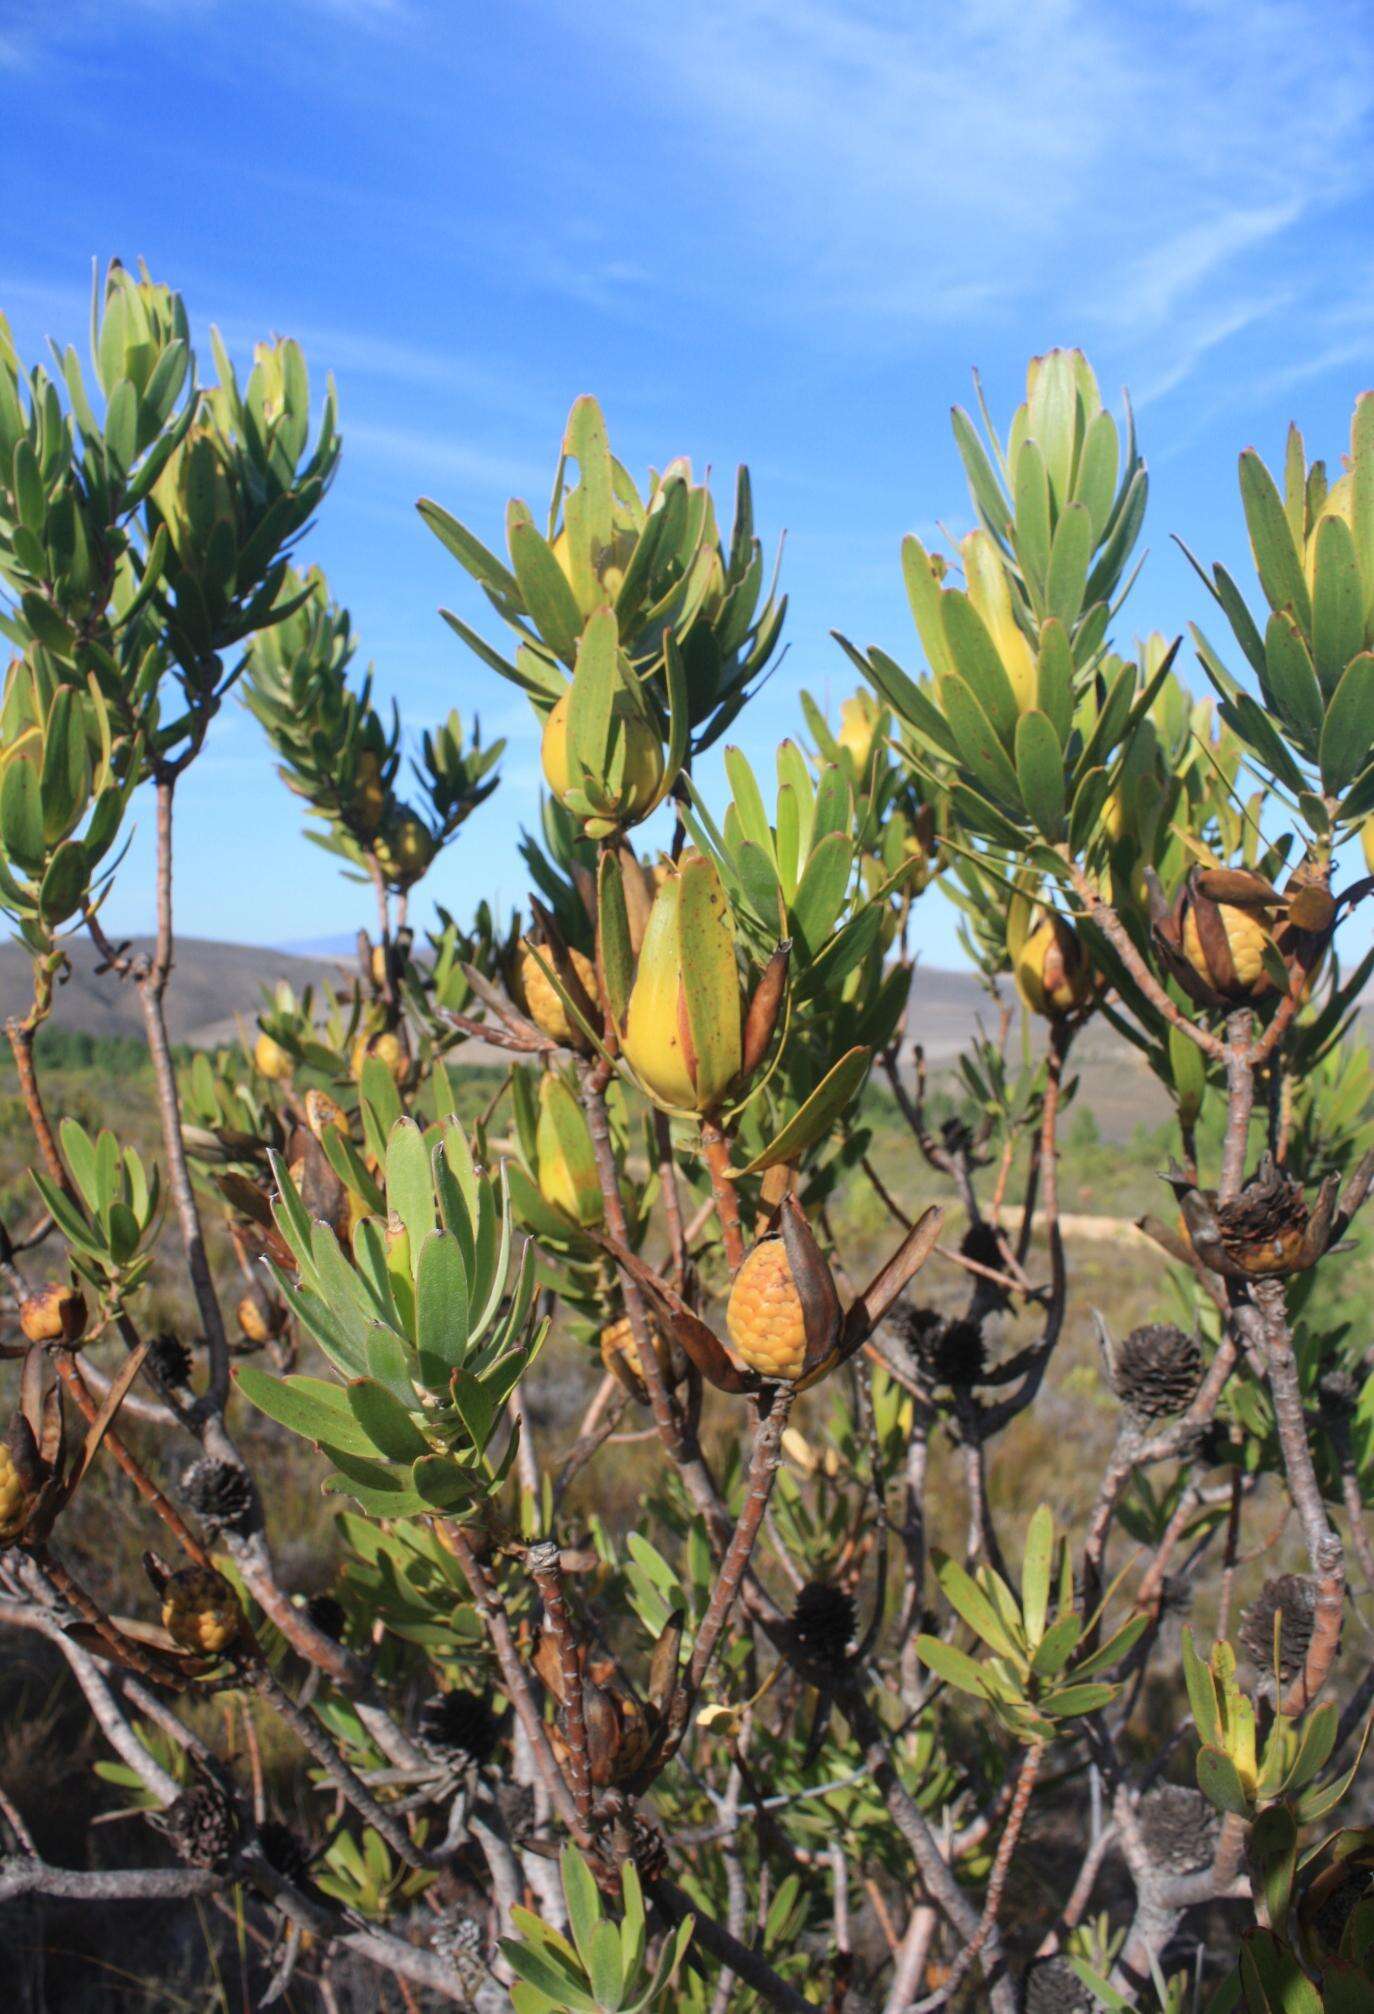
point(1348, 735)
point(310, 1407)
point(409, 1189)
point(923, 593)
point(1292, 680)
point(1219, 1781)
point(827, 1101)
point(1054, 678)
point(1032, 529)
point(979, 746)
point(584, 1903)
point(385, 1421)
point(1035, 1573)
point(979, 663)
point(441, 1300)
point(543, 584)
point(1271, 540)
point(470, 553)
point(1069, 557)
point(967, 1599)
point(956, 1667)
point(1040, 772)
point(21, 817)
point(820, 896)
point(1095, 485)
point(1337, 602)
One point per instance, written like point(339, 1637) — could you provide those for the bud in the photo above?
point(139, 321)
point(1053, 973)
point(55, 1314)
point(568, 1177)
point(369, 792)
point(534, 992)
point(404, 850)
point(200, 1611)
point(270, 1059)
point(684, 1023)
point(195, 494)
point(859, 716)
point(1221, 927)
point(634, 768)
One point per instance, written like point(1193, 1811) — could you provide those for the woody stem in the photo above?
point(544, 1569)
point(763, 1469)
point(716, 1152)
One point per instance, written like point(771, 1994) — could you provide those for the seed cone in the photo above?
point(1292, 1599)
point(1178, 1828)
point(534, 991)
point(459, 1723)
point(1051, 1986)
point(284, 1850)
point(823, 1623)
point(327, 1614)
point(201, 1827)
point(1263, 1228)
point(1156, 1370)
point(200, 1611)
point(217, 1491)
point(764, 1314)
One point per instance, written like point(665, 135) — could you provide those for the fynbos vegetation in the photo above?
point(832, 1716)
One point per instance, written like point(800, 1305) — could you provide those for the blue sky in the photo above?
point(773, 232)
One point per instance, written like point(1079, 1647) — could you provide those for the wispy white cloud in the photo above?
point(1116, 166)
point(427, 453)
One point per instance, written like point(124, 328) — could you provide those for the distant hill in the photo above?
point(211, 983)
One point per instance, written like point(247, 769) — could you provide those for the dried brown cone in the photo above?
point(171, 1359)
point(1284, 1607)
point(285, 1850)
point(948, 1350)
point(219, 1492)
point(1178, 1828)
point(1156, 1370)
point(201, 1827)
point(328, 1615)
point(459, 1724)
point(1051, 1986)
point(823, 1624)
point(1263, 1229)
point(981, 1243)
